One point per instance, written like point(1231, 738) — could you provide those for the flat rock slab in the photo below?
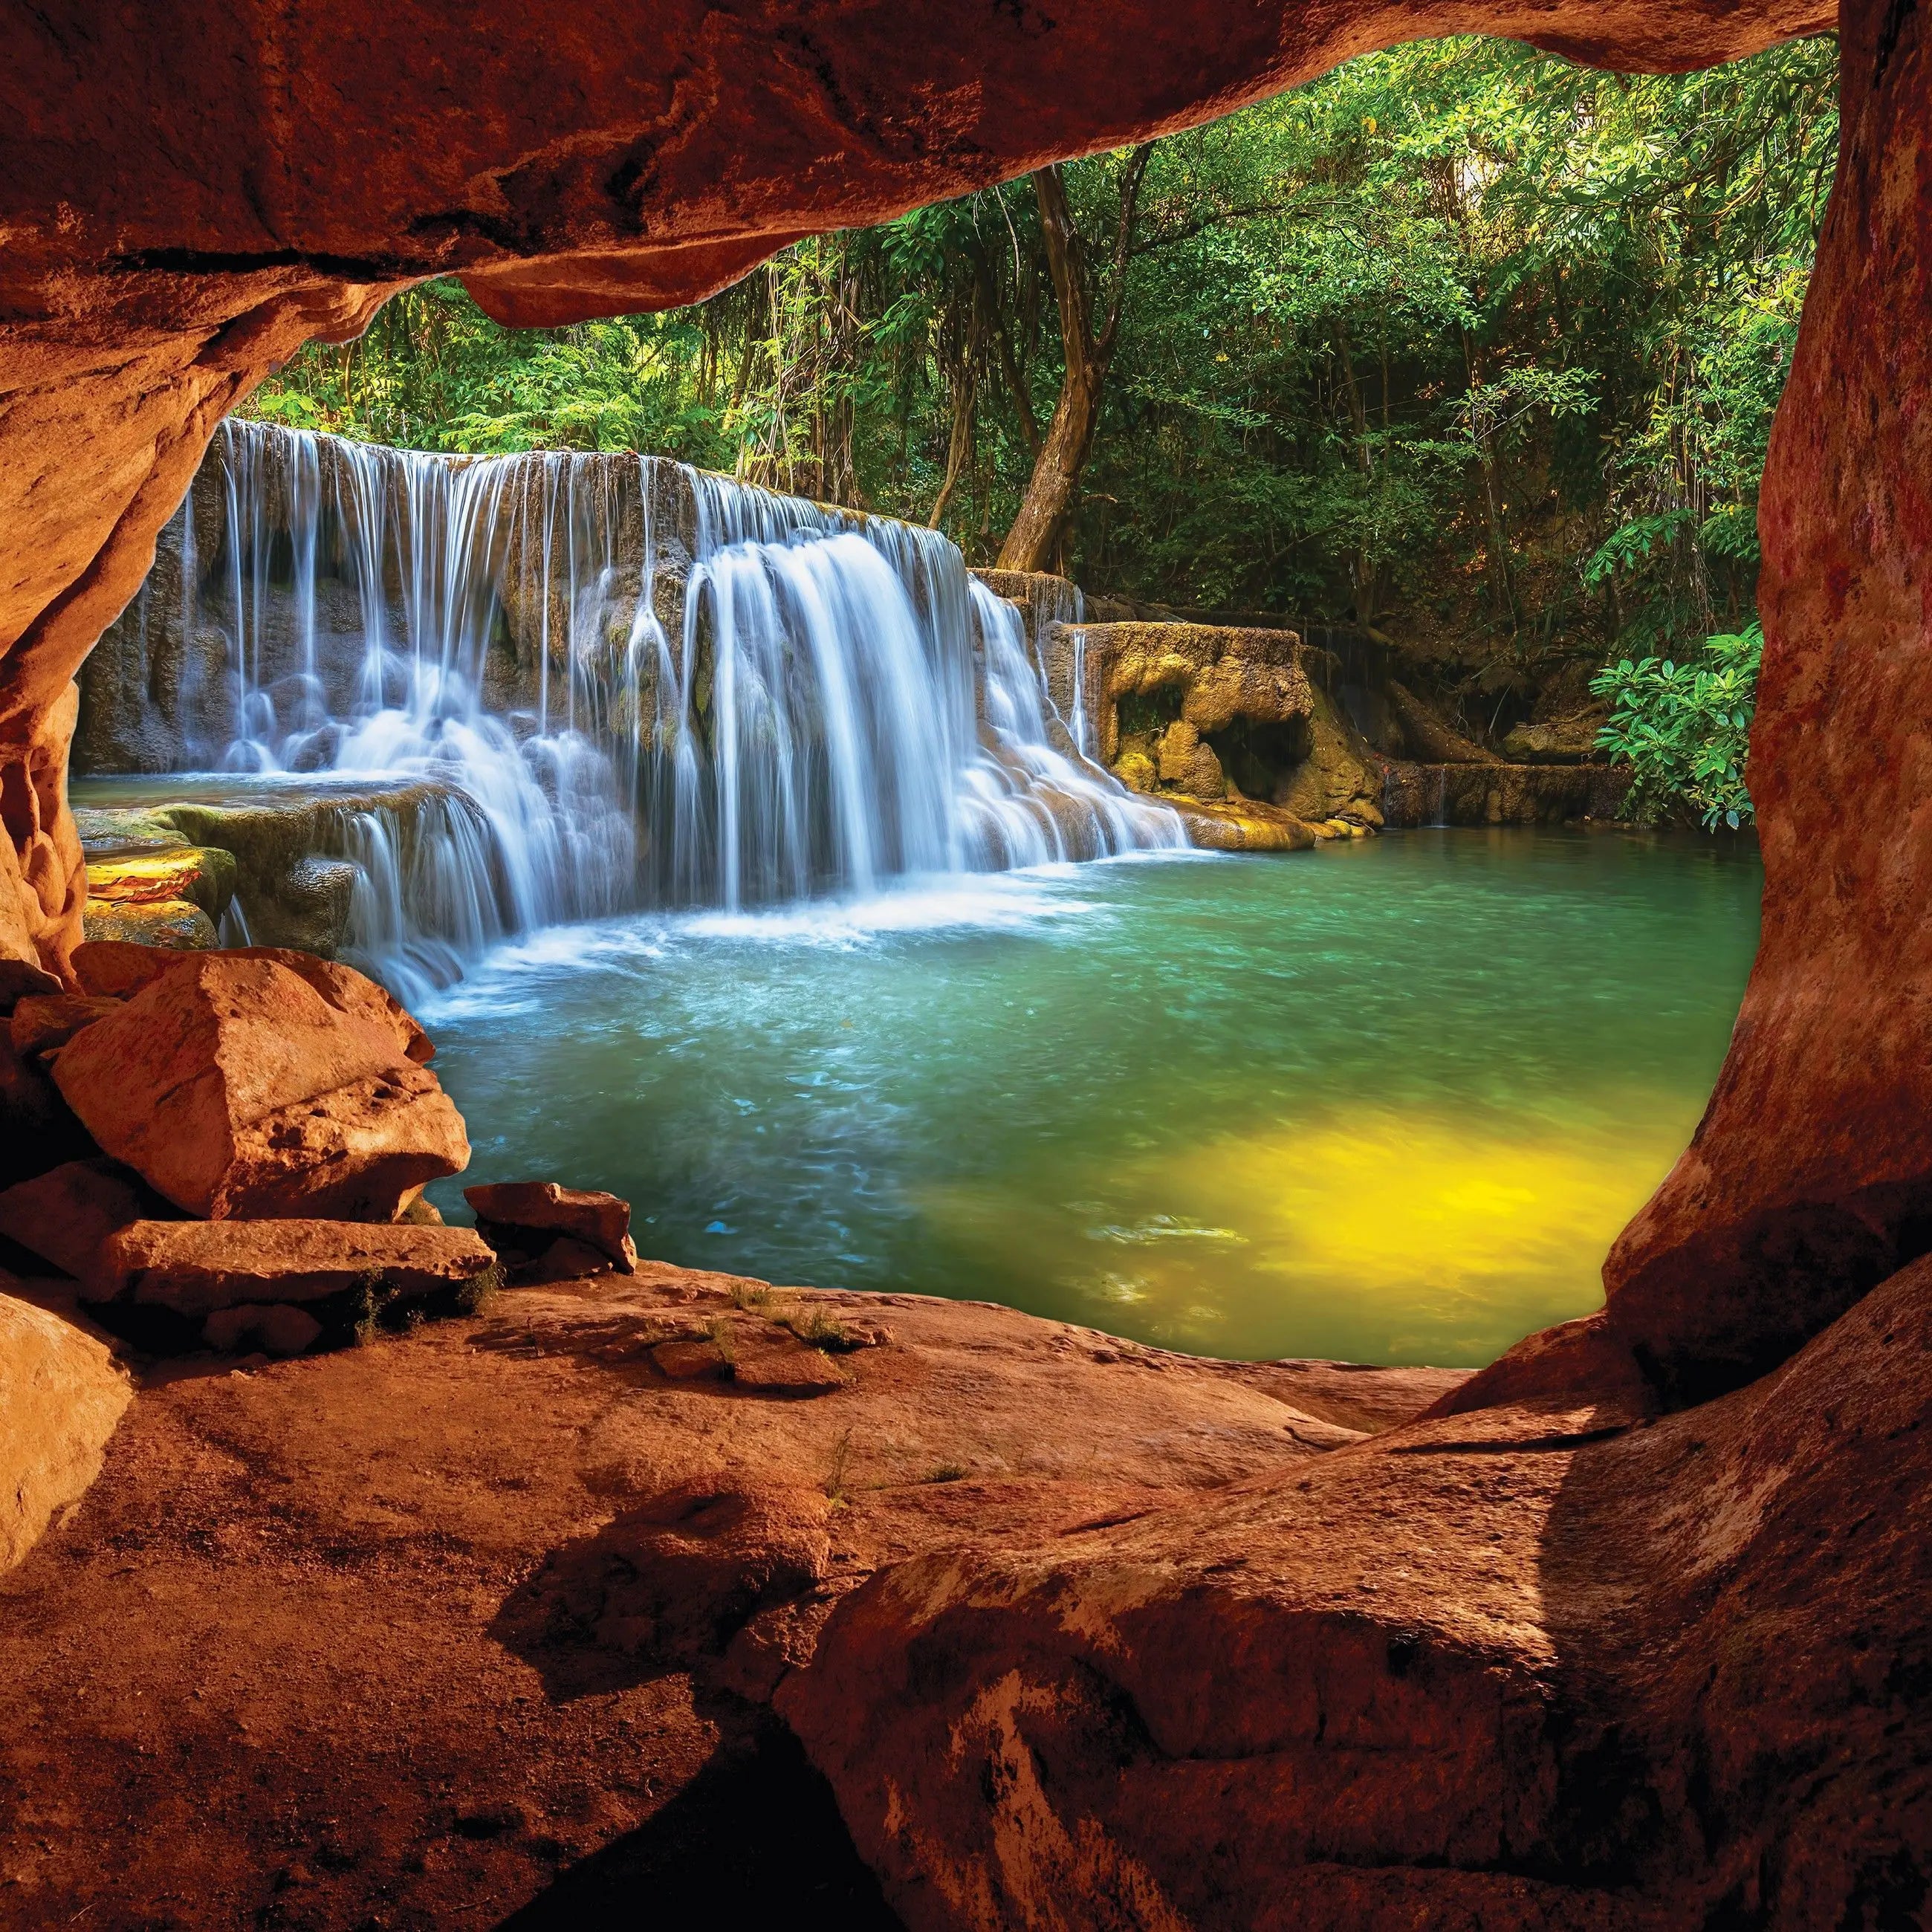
point(779, 1363)
point(439, 1594)
point(195, 1267)
point(203, 875)
point(156, 925)
point(61, 1395)
point(66, 1215)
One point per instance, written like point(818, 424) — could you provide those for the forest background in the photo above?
point(1461, 344)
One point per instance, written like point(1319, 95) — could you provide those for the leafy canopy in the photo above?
point(1460, 341)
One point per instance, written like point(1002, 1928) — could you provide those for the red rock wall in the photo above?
point(1811, 1177)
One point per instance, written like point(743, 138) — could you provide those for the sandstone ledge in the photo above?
point(1080, 1632)
point(1552, 1664)
point(346, 1633)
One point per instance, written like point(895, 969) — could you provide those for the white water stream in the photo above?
point(642, 685)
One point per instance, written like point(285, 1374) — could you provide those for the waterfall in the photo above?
point(1039, 804)
point(634, 684)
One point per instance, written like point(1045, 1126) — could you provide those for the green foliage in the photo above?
point(1683, 728)
point(1629, 545)
point(1459, 340)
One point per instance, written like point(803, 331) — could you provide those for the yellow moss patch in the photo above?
point(171, 922)
point(202, 875)
point(1248, 825)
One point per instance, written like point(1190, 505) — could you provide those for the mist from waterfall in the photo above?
point(635, 685)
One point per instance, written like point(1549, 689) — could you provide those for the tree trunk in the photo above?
point(1034, 541)
point(960, 447)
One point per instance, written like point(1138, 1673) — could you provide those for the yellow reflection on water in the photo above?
point(1393, 1234)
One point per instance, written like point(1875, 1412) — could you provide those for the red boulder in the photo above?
point(235, 1089)
point(525, 1218)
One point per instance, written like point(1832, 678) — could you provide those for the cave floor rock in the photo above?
point(477, 1624)
point(1561, 1663)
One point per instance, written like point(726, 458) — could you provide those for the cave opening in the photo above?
point(596, 1517)
point(1262, 758)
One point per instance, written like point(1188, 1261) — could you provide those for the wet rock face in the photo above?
point(1492, 793)
point(286, 557)
point(1211, 680)
point(279, 858)
point(1236, 725)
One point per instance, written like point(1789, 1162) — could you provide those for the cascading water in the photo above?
point(627, 682)
point(805, 729)
point(1048, 803)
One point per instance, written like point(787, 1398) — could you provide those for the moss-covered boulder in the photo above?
point(1211, 715)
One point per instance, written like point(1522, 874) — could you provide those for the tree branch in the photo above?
point(1123, 238)
point(1010, 367)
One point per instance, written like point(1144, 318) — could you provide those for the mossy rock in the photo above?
point(1242, 826)
point(177, 923)
point(204, 875)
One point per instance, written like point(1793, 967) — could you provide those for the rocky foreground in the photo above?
point(414, 1633)
point(356, 1570)
point(492, 1618)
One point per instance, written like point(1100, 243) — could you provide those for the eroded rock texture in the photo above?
point(1549, 1665)
point(1810, 1176)
point(1083, 1635)
point(423, 1631)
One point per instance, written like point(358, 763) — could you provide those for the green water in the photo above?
point(1386, 1102)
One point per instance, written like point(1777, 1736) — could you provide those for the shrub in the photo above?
point(1683, 729)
